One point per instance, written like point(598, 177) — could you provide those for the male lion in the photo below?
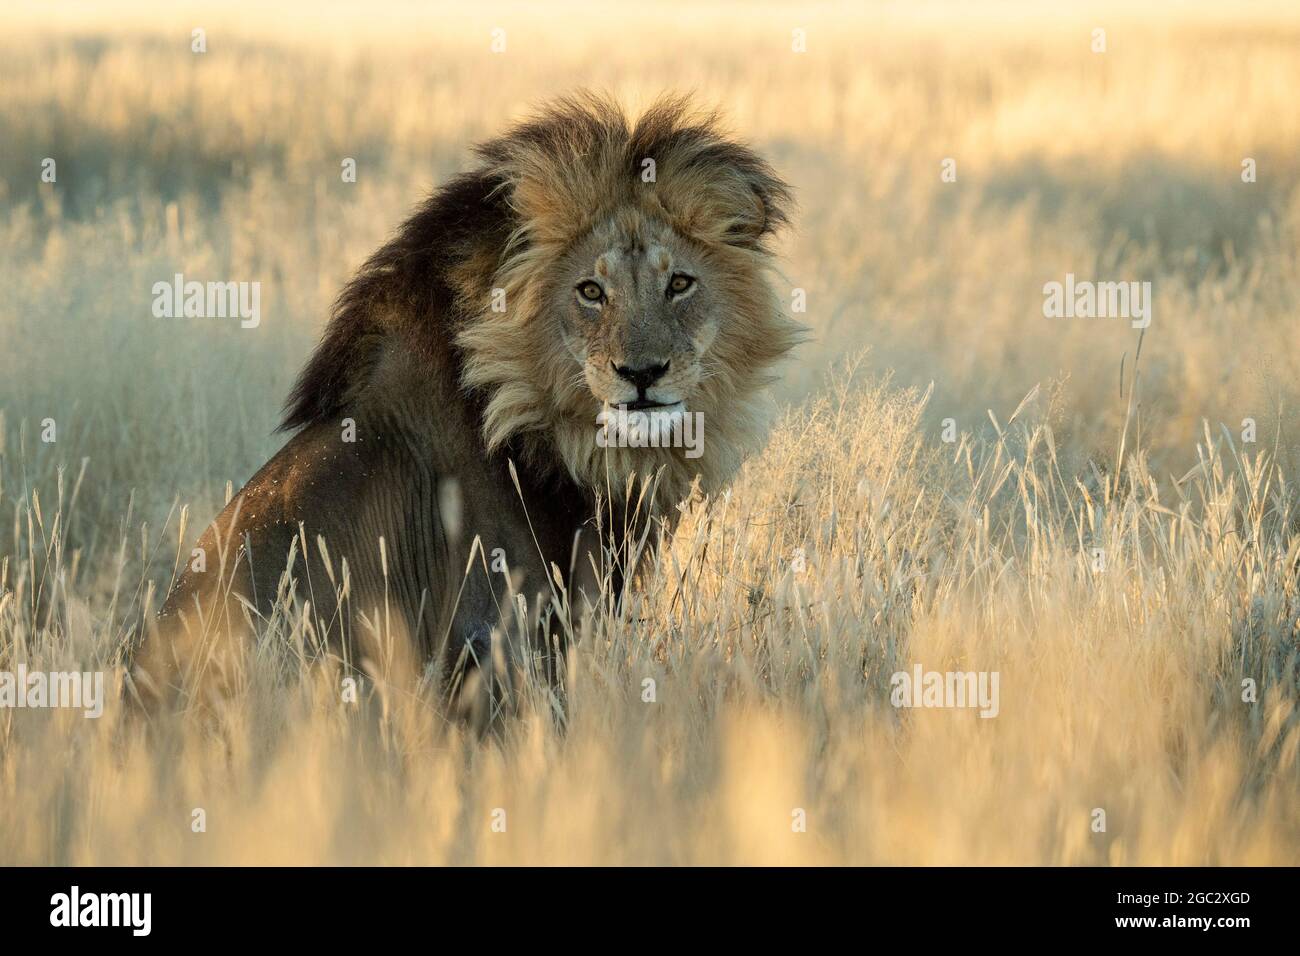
point(446, 425)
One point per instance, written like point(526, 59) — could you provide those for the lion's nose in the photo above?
point(642, 378)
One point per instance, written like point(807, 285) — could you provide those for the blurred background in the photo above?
point(1121, 165)
point(1106, 140)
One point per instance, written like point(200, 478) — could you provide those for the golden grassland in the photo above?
point(1121, 686)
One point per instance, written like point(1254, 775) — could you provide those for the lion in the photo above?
point(452, 460)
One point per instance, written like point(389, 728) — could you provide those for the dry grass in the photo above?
point(1120, 689)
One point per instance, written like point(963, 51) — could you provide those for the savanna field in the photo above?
point(1097, 523)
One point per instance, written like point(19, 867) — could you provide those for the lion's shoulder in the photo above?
point(413, 290)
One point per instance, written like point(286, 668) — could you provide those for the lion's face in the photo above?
point(599, 287)
point(639, 310)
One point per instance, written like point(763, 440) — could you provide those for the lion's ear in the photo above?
point(726, 195)
point(762, 210)
point(737, 198)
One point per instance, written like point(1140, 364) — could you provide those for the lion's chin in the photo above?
point(642, 422)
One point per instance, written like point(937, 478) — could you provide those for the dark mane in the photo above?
point(405, 288)
point(544, 182)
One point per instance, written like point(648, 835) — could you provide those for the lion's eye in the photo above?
point(591, 292)
point(679, 283)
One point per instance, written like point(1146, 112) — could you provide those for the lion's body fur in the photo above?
point(445, 393)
